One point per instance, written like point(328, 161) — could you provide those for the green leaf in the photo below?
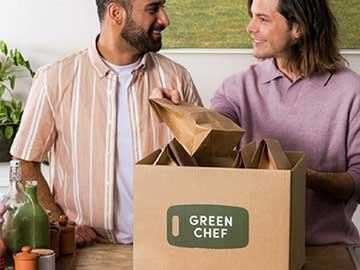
point(2, 90)
point(15, 117)
point(3, 47)
point(19, 58)
point(9, 131)
point(27, 65)
point(12, 81)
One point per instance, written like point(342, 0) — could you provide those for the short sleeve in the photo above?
point(191, 94)
point(36, 133)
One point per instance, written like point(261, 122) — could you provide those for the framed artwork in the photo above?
point(222, 23)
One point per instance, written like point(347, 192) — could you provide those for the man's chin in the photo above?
point(261, 55)
point(155, 46)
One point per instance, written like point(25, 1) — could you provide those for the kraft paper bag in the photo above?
point(175, 155)
point(270, 155)
point(202, 132)
point(246, 156)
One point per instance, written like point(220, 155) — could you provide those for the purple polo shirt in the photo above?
point(319, 115)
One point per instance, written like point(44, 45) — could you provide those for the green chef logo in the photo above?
point(208, 226)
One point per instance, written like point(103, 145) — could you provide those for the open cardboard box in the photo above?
point(221, 218)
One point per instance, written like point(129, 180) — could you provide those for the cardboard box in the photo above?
point(272, 199)
point(221, 218)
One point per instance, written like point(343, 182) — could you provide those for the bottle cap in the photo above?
point(14, 163)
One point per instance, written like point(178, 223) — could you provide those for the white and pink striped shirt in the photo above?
point(71, 112)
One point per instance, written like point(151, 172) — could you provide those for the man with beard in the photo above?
point(90, 111)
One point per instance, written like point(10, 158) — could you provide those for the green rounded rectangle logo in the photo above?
point(207, 226)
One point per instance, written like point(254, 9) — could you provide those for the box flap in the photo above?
point(198, 129)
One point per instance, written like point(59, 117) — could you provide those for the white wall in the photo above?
point(47, 30)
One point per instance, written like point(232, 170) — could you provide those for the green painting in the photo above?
point(222, 23)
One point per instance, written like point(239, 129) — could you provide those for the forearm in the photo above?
point(340, 186)
point(32, 171)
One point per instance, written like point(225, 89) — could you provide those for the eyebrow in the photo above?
point(261, 15)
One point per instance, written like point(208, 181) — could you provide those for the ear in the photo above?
point(117, 13)
point(296, 32)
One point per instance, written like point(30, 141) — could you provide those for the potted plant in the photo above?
point(11, 63)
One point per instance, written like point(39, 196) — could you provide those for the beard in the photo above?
point(139, 38)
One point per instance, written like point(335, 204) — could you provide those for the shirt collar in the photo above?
point(102, 68)
point(269, 72)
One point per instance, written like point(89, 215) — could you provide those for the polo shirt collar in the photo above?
point(270, 72)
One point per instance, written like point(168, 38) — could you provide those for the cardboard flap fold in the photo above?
point(198, 129)
point(270, 155)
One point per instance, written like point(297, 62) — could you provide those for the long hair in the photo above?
point(317, 48)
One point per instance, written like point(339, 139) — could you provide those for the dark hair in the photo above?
point(102, 5)
point(317, 48)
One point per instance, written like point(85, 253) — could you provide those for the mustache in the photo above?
point(158, 27)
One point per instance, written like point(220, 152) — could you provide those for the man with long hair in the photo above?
point(303, 94)
point(91, 111)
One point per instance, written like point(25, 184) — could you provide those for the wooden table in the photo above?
point(119, 257)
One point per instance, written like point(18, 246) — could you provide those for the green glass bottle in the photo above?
point(13, 200)
point(32, 215)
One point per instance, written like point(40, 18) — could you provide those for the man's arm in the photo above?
point(84, 235)
point(32, 171)
point(340, 186)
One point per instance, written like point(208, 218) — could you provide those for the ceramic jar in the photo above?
point(26, 260)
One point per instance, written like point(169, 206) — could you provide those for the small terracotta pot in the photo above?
point(26, 260)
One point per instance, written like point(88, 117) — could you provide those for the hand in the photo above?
point(85, 236)
point(171, 94)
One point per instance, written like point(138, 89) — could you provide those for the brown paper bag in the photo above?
point(199, 130)
point(270, 155)
point(247, 155)
point(175, 155)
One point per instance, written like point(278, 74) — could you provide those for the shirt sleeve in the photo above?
point(222, 103)
point(353, 146)
point(191, 94)
point(36, 133)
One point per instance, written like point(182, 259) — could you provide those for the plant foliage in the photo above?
point(10, 109)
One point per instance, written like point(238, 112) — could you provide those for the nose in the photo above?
point(251, 27)
point(163, 18)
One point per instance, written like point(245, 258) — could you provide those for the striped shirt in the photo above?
point(71, 113)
